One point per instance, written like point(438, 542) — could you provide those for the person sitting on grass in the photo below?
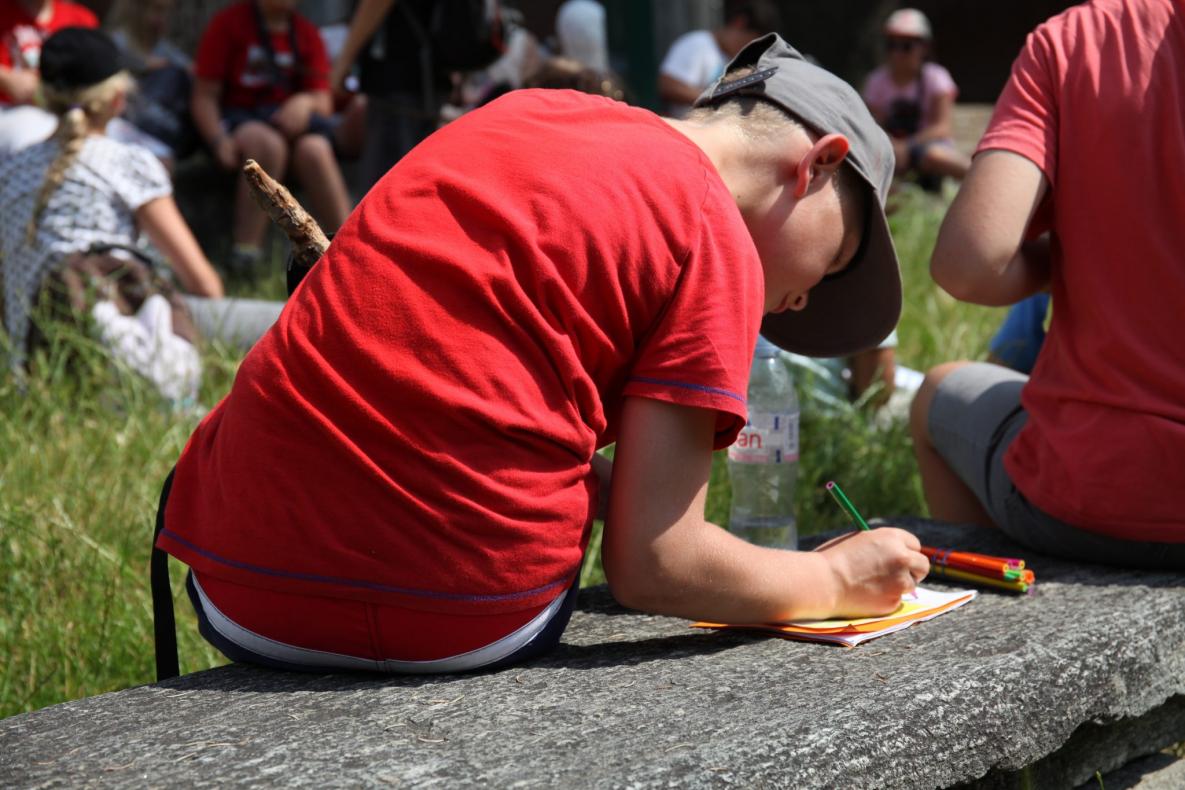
point(1085, 458)
point(24, 25)
point(913, 99)
point(404, 474)
point(81, 191)
point(262, 93)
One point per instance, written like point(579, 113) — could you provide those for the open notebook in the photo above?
point(922, 604)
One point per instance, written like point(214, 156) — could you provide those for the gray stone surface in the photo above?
point(631, 700)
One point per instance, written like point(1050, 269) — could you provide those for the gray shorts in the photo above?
point(975, 415)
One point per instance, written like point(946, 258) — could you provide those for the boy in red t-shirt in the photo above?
point(262, 93)
point(24, 25)
point(404, 474)
point(1074, 189)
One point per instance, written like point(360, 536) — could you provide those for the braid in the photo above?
point(70, 135)
point(77, 112)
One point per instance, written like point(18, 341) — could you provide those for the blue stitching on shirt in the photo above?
point(365, 585)
point(687, 386)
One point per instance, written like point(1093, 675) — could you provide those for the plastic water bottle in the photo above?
point(763, 462)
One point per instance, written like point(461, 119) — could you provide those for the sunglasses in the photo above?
point(902, 44)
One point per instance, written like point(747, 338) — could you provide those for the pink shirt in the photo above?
point(1097, 101)
point(880, 91)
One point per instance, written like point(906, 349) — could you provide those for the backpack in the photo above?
point(461, 35)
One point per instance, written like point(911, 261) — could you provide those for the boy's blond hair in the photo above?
point(758, 120)
point(77, 110)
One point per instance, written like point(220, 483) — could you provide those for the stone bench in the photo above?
point(1039, 691)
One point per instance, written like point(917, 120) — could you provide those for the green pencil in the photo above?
point(847, 505)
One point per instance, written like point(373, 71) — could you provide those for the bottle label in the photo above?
point(767, 438)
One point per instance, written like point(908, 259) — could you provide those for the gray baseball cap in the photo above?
point(857, 308)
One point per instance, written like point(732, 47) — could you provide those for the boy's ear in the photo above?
point(824, 158)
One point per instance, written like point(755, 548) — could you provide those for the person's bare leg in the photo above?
point(945, 160)
point(949, 497)
point(870, 366)
point(266, 146)
point(314, 165)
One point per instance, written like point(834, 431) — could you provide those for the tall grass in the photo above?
point(84, 449)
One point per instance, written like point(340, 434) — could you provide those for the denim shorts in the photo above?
point(975, 415)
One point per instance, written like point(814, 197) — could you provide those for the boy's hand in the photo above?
point(293, 116)
point(873, 569)
point(226, 152)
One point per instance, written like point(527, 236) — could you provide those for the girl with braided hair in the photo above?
point(79, 192)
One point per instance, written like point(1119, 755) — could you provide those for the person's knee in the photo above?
point(919, 410)
point(261, 142)
point(313, 150)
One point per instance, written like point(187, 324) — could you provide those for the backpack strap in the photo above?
point(164, 626)
point(286, 81)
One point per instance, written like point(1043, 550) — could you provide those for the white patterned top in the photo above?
point(95, 205)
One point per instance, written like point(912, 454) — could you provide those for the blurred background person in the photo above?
point(697, 58)
point(262, 93)
point(157, 116)
point(582, 34)
point(81, 192)
point(912, 98)
point(408, 52)
point(24, 25)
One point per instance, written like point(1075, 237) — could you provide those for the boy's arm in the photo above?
point(981, 255)
point(207, 119)
point(368, 15)
point(660, 555)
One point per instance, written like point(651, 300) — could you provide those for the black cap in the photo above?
point(858, 308)
point(78, 57)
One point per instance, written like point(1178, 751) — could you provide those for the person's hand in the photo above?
point(292, 117)
point(226, 152)
point(22, 86)
point(873, 569)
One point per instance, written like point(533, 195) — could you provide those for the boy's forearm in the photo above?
point(366, 20)
point(710, 574)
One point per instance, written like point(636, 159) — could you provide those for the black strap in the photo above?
point(164, 627)
point(284, 80)
point(427, 70)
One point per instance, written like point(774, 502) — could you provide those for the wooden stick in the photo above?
point(308, 241)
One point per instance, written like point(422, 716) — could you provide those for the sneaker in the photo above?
point(243, 263)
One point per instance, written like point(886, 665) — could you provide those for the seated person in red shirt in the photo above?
point(262, 93)
point(404, 474)
point(1085, 458)
point(24, 25)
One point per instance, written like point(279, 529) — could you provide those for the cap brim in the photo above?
point(852, 312)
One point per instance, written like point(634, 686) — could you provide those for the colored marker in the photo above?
point(1019, 585)
point(847, 505)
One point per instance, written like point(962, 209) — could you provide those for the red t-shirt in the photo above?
point(418, 427)
point(231, 53)
point(1097, 101)
point(21, 35)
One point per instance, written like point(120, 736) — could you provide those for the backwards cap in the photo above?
point(857, 308)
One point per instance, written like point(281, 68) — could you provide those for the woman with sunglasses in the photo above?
point(913, 99)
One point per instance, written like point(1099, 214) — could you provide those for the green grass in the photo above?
point(84, 449)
